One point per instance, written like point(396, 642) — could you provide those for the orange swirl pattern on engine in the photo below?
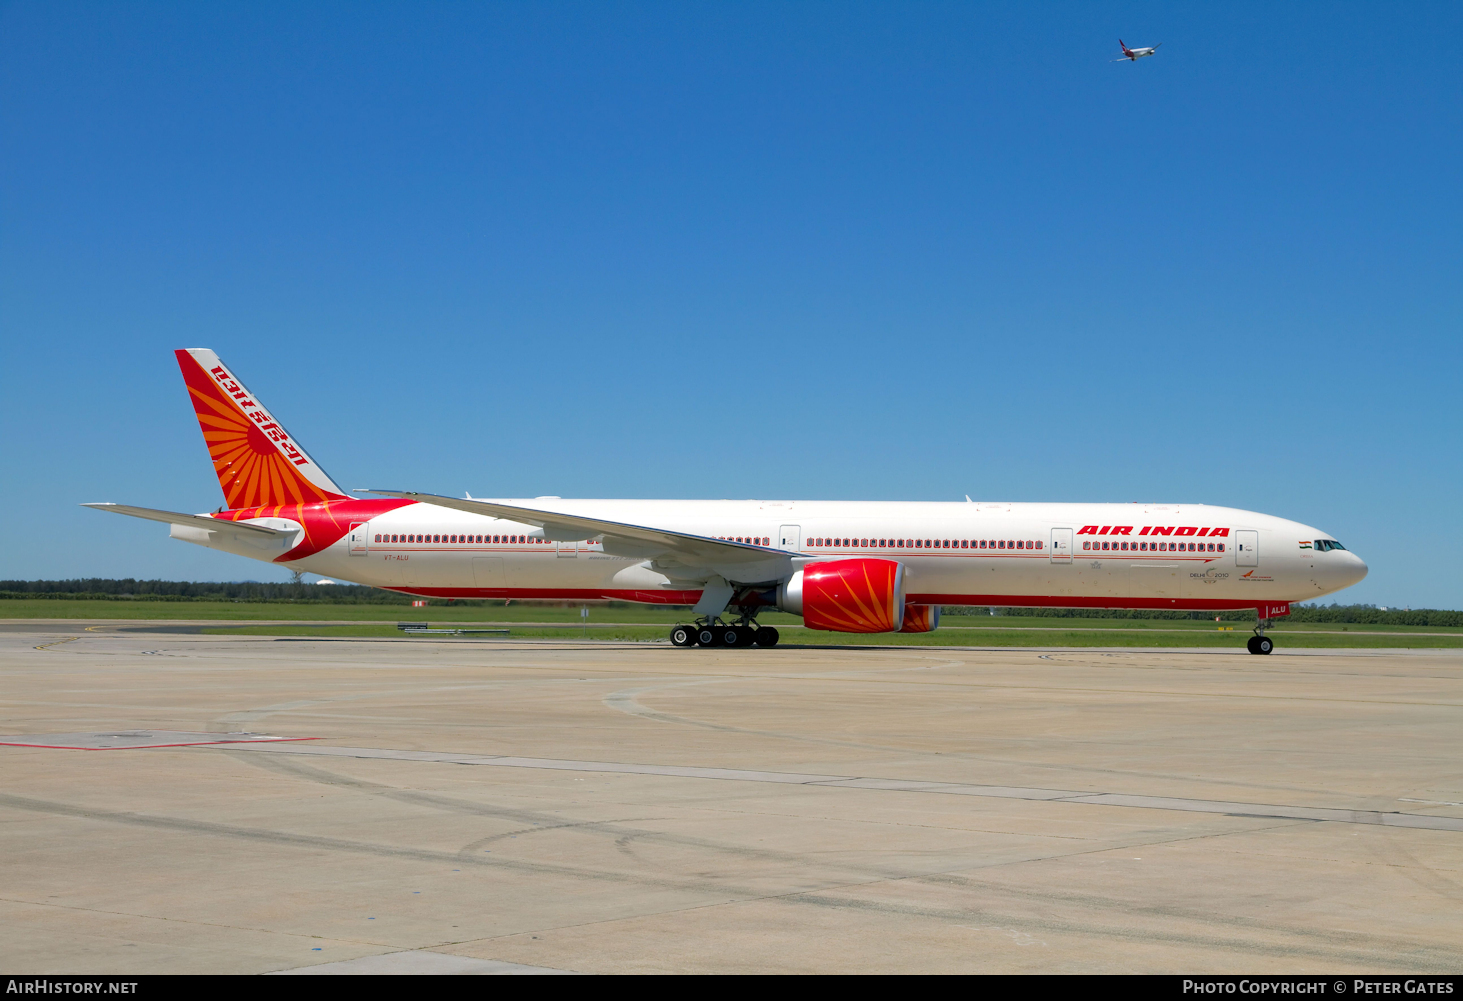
point(852, 596)
point(251, 470)
point(920, 618)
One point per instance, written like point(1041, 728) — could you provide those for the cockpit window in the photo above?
point(1325, 545)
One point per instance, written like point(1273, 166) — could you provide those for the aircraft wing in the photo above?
point(191, 520)
point(734, 560)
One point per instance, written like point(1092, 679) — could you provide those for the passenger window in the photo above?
point(1086, 545)
point(1221, 547)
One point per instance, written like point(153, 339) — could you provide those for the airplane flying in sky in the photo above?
point(1133, 55)
point(846, 566)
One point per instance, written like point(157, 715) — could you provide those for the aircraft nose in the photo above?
point(1356, 569)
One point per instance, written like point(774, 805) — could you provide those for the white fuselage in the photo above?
point(1073, 555)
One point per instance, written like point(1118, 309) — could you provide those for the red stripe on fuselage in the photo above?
point(555, 593)
point(691, 597)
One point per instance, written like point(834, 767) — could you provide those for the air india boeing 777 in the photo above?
point(846, 566)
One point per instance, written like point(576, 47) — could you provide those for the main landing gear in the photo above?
point(1260, 643)
point(713, 632)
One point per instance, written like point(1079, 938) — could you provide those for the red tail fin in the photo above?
point(258, 464)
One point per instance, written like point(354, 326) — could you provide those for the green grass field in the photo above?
point(647, 623)
point(650, 624)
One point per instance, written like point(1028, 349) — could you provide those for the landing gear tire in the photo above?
point(731, 636)
point(1260, 644)
point(707, 636)
point(767, 637)
point(683, 636)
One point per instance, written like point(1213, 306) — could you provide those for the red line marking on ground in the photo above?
point(139, 747)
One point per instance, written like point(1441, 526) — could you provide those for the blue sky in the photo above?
point(834, 250)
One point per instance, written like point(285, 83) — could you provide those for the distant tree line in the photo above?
point(130, 589)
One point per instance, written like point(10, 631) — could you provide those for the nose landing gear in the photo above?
point(1260, 643)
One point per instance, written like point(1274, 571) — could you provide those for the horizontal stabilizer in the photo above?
point(191, 520)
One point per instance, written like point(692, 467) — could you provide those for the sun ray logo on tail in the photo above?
point(257, 462)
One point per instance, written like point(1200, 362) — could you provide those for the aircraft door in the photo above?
point(789, 538)
point(569, 550)
point(1061, 545)
point(1246, 549)
point(359, 536)
point(487, 571)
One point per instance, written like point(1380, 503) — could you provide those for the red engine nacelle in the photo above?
point(920, 619)
point(847, 596)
